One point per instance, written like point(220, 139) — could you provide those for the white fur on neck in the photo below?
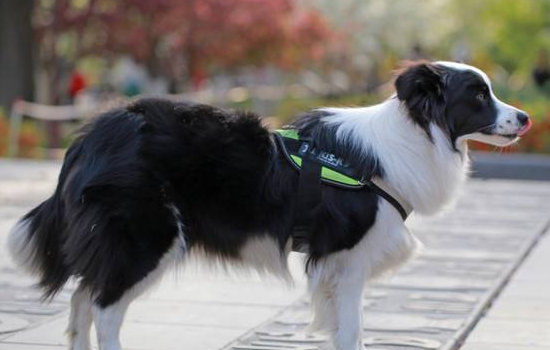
point(427, 174)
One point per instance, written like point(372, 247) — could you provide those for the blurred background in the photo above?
point(63, 61)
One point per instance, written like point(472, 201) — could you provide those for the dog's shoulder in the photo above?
point(318, 128)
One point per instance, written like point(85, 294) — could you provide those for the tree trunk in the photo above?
point(16, 51)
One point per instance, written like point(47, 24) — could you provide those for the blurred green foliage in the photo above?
point(509, 33)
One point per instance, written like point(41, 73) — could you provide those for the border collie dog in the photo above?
point(146, 184)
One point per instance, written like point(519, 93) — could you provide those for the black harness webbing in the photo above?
point(376, 189)
point(310, 183)
point(308, 200)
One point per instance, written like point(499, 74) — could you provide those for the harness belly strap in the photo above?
point(317, 167)
point(388, 193)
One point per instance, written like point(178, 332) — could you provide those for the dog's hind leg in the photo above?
point(108, 321)
point(108, 318)
point(80, 320)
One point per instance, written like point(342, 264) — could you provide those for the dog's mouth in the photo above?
point(525, 128)
point(508, 136)
point(512, 136)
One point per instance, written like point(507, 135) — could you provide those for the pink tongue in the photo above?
point(526, 128)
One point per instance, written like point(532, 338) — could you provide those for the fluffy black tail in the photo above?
point(35, 245)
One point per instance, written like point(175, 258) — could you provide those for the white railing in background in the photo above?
point(264, 97)
point(21, 109)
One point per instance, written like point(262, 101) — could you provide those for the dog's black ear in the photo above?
point(418, 80)
point(420, 87)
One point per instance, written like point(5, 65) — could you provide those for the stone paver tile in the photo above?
point(139, 336)
point(518, 307)
point(25, 346)
point(535, 267)
point(531, 283)
point(532, 279)
point(17, 169)
point(505, 331)
point(11, 346)
point(26, 192)
point(5, 227)
point(175, 337)
point(7, 224)
point(493, 346)
point(49, 333)
point(200, 314)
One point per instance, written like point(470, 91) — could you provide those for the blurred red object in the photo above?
point(77, 83)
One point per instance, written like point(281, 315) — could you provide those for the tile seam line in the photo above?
point(61, 347)
point(261, 324)
point(220, 303)
point(46, 320)
point(456, 342)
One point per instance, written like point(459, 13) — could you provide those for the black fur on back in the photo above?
point(111, 220)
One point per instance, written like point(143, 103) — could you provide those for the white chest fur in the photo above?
point(427, 173)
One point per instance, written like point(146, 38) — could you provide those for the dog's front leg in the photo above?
point(347, 296)
point(337, 290)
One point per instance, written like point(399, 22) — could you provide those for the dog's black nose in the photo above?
point(522, 118)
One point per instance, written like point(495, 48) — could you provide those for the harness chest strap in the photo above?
point(402, 206)
point(335, 172)
point(318, 166)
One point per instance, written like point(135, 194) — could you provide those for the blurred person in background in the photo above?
point(541, 71)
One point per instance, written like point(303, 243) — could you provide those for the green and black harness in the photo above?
point(317, 167)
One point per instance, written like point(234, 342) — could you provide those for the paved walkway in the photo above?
point(432, 303)
point(520, 316)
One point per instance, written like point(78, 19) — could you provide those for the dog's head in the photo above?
point(459, 99)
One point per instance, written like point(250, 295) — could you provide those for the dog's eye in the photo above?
point(482, 96)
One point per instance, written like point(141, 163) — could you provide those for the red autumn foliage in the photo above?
point(4, 134)
point(176, 37)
